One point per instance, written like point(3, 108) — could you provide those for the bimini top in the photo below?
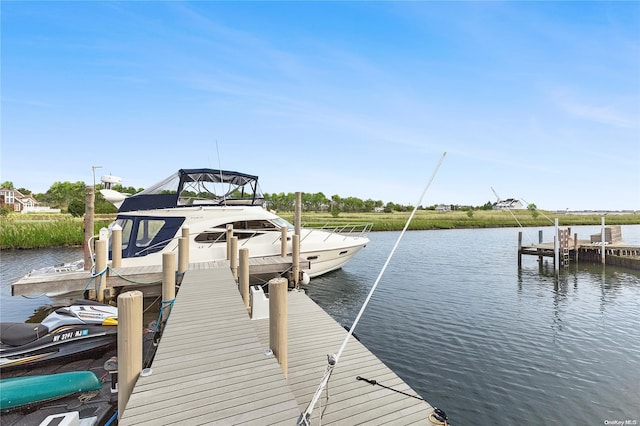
point(190, 187)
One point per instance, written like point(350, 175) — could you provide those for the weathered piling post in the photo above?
point(602, 238)
point(168, 281)
point(243, 274)
point(283, 241)
point(116, 246)
point(295, 241)
point(183, 255)
point(297, 218)
point(519, 249)
point(295, 260)
point(183, 250)
point(101, 265)
point(234, 258)
point(228, 240)
point(129, 345)
point(89, 210)
point(540, 242)
point(575, 247)
point(556, 249)
point(278, 313)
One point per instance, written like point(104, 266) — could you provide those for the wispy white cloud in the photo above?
point(604, 114)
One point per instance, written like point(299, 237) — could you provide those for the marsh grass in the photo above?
point(24, 233)
point(27, 231)
point(429, 219)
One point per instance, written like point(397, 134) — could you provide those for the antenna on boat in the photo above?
point(333, 359)
point(224, 194)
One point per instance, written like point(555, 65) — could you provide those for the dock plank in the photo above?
point(211, 366)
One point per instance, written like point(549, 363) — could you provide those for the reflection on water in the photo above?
point(455, 318)
point(474, 336)
point(14, 264)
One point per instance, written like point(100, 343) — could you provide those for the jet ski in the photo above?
point(67, 332)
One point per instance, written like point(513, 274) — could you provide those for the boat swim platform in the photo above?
point(212, 367)
point(139, 277)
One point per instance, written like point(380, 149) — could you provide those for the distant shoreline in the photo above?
point(49, 231)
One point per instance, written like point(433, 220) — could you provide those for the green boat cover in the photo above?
point(18, 391)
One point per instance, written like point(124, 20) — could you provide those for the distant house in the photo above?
point(443, 208)
point(508, 204)
point(19, 202)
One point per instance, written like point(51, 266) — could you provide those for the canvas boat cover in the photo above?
point(189, 187)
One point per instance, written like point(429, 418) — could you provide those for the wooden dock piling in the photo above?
point(101, 265)
point(183, 250)
point(244, 276)
point(228, 240)
point(283, 241)
point(234, 258)
point(168, 280)
point(88, 226)
point(129, 345)
point(295, 265)
point(116, 246)
point(278, 288)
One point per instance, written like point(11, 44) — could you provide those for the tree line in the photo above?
point(70, 197)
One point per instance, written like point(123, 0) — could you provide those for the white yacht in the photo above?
point(152, 220)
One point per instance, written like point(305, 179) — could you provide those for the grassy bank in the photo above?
point(429, 219)
point(27, 231)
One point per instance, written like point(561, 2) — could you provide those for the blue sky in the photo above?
point(539, 100)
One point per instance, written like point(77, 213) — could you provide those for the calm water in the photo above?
point(491, 346)
point(457, 321)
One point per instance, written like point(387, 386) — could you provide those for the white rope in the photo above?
point(333, 358)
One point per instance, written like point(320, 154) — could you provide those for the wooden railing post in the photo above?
point(278, 313)
point(129, 345)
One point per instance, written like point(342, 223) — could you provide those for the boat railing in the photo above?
point(347, 229)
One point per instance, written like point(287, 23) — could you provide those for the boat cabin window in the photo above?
point(253, 224)
point(219, 234)
point(144, 235)
point(147, 230)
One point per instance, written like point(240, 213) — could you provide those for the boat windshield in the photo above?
point(280, 223)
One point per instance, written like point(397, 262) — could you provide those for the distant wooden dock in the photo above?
point(212, 367)
point(571, 249)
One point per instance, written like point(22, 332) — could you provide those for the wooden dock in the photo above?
point(571, 249)
point(145, 278)
point(211, 367)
